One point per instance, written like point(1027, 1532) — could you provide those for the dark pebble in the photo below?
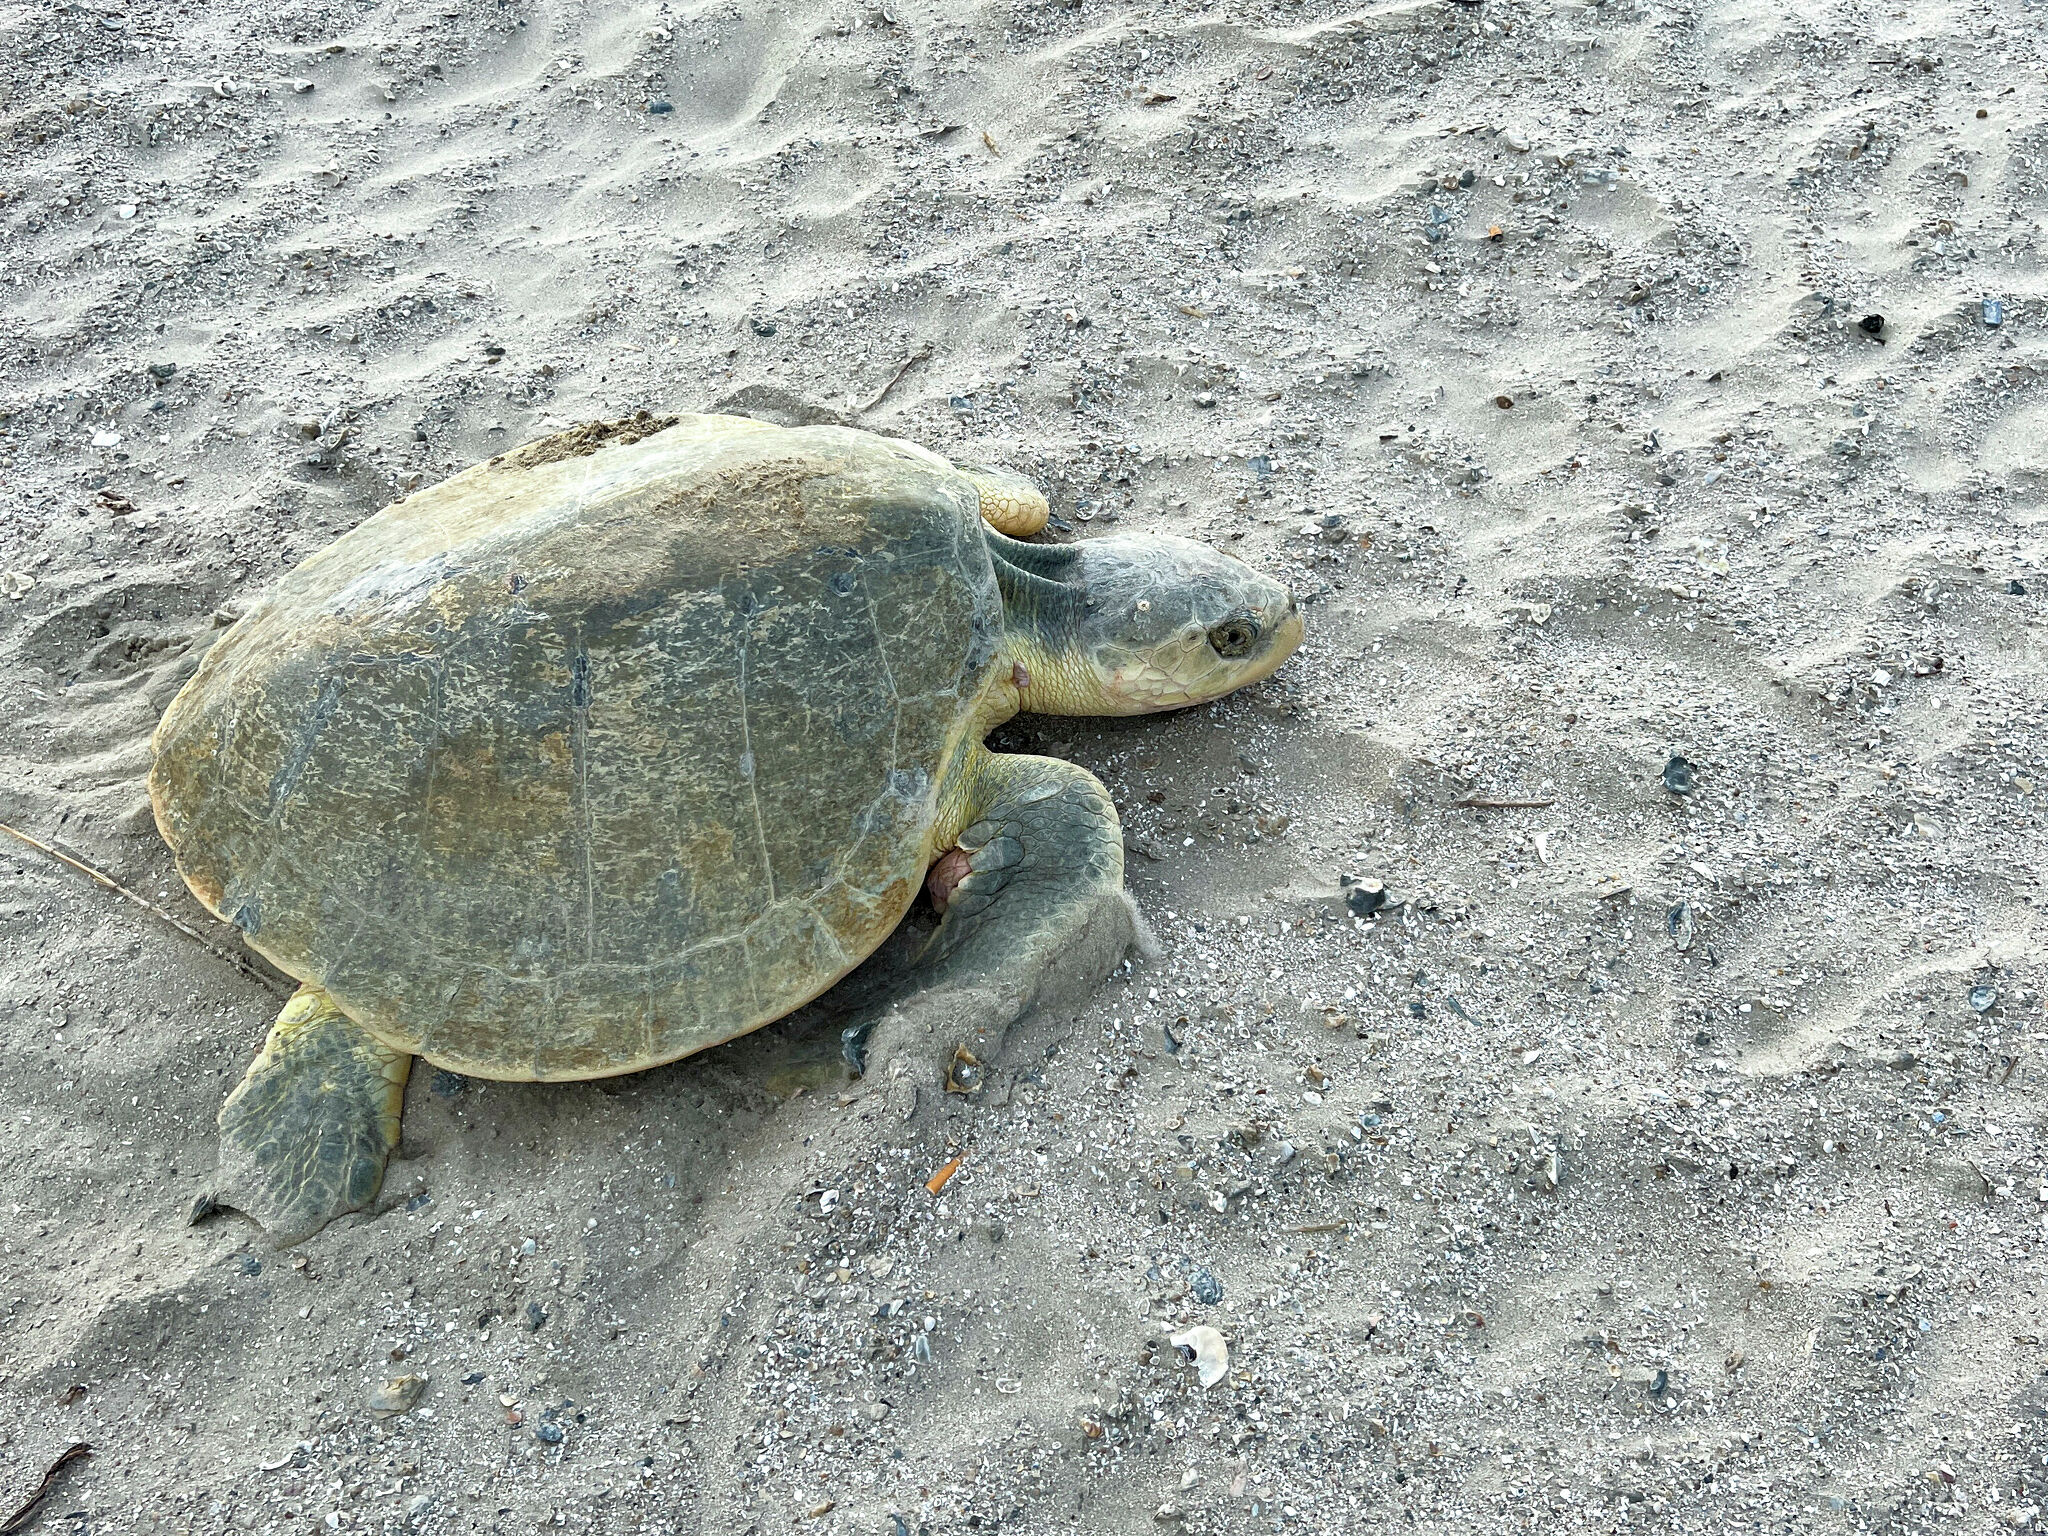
point(660, 108)
point(1679, 777)
point(1363, 897)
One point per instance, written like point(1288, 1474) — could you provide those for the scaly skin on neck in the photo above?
point(1058, 678)
point(1038, 670)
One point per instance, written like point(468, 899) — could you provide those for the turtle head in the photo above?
point(1148, 622)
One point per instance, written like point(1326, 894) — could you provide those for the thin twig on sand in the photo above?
point(98, 877)
point(19, 1520)
point(896, 378)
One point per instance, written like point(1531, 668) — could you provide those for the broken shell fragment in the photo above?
point(1204, 1349)
point(401, 1394)
point(963, 1072)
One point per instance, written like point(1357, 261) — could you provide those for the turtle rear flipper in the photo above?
point(305, 1135)
point(1035, 916)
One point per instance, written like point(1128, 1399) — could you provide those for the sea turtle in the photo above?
point(636, 738)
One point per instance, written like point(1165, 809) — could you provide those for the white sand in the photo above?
point(1788, 1275)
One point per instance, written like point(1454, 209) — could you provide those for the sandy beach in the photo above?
point(1594, 1077)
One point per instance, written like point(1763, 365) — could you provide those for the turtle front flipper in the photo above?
point(305, 1135)
point(1010, 503)
point(1035, 915)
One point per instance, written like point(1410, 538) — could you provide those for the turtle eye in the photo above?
point(1235, 636)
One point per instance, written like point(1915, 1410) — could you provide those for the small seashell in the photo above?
point(1678, 922)
point(1204, 1348)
